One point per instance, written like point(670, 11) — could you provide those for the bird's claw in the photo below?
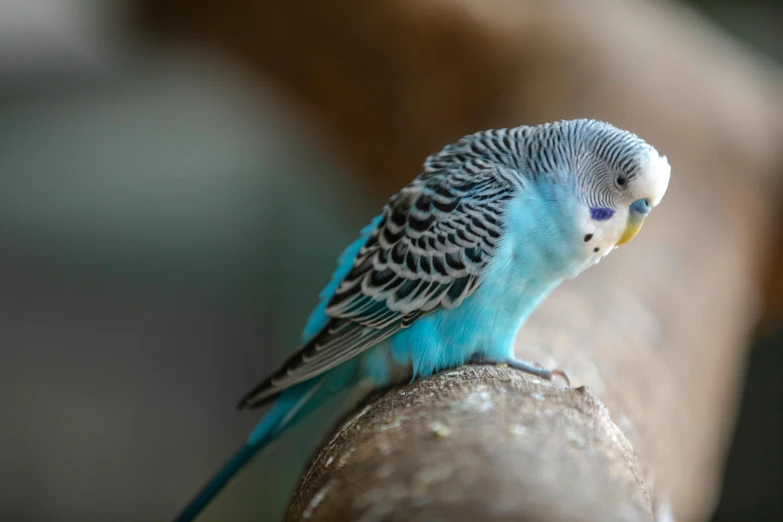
point(557, 371)
point(531, 368)
point(562, 374)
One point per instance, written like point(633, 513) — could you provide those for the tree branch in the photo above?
point(476, 443)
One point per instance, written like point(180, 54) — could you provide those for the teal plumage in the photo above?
point(458, 260)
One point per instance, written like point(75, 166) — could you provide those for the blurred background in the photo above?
point(177, 179)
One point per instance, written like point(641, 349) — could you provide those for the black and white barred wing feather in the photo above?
point(427, 252)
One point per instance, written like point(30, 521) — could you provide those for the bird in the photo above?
point(456, 262)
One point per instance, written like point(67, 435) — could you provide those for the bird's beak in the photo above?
point(638, 211)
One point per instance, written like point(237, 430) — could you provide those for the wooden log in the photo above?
point(476, 443)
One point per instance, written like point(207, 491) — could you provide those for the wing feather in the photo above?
point(427, 252)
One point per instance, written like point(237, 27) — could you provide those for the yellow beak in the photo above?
point(635, 222)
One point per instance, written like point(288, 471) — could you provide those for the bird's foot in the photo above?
point(527, 367)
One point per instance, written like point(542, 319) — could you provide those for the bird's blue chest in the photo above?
point(539, 248)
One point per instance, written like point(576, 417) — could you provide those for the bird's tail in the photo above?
point(288, 409)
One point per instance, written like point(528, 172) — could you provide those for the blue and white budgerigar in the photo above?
point(458, 260)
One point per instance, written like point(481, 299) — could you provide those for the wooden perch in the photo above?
point(477, 443)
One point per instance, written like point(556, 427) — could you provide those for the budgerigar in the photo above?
point(457, 261)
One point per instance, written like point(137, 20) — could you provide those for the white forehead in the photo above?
point(654, 174)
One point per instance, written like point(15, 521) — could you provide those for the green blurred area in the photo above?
point(187, 226)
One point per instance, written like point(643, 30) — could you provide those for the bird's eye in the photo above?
point(620, 181)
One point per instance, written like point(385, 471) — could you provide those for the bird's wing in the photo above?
point(427, 252)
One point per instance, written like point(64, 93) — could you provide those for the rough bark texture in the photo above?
point(658, 332)
point(476, 443)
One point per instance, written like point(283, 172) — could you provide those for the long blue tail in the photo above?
point(217, 483)
point(287, 410)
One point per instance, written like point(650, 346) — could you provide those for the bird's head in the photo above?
point(641, 189)
point(622, 178)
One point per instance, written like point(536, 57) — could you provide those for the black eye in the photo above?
point(620, 181)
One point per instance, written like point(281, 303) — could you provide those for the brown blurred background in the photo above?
point(177, 179)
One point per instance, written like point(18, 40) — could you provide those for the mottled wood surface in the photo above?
point(476, 443)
